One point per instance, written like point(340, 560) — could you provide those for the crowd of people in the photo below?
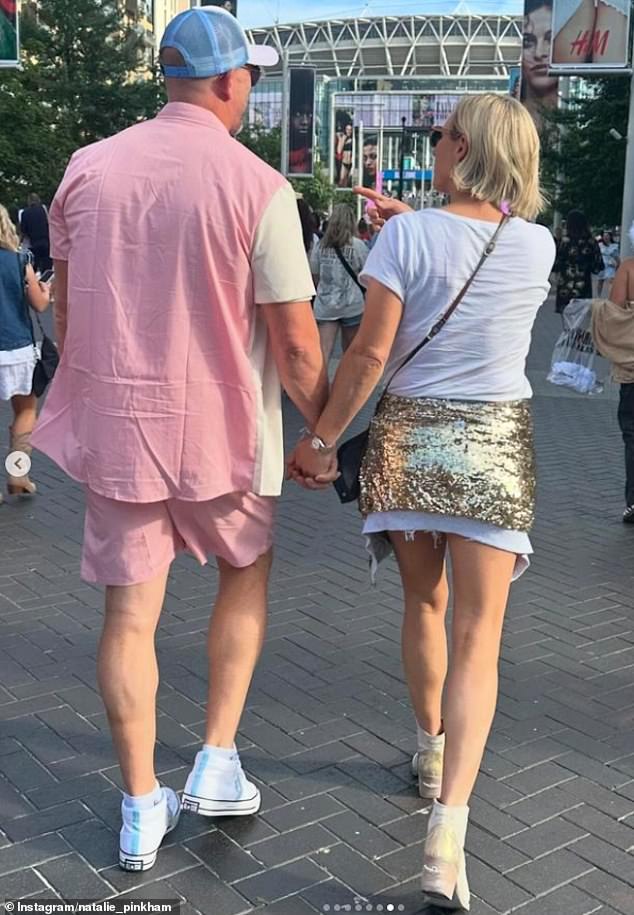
point(172, 424)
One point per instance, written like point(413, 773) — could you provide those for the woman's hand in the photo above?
point(383, 208)
point(312, 469)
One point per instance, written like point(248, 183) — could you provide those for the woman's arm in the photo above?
point(38, 294)
point(359, 373)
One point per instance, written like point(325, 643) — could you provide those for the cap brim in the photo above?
point(263, 55)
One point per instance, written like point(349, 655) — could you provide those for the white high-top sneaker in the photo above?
point(217, 786)
point(144, 830)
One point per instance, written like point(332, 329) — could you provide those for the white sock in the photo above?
point(220, 753)
point(144, 801)
point(428, 741)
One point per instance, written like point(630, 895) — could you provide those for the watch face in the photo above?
point(315, 444)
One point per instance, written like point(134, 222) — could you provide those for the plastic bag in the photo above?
point(574, 363)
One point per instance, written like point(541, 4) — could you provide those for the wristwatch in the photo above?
point(316, 443)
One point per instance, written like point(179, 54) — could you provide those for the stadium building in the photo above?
point(381, 72)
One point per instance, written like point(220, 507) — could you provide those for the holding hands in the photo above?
point(312, 464)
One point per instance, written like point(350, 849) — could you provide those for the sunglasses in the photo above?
point(437, 133)
point(255, 73)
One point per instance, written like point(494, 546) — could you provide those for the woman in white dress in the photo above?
point(19, 288)
point(449, 466)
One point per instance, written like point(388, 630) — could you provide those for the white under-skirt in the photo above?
point(409, 522)
point(16, 371)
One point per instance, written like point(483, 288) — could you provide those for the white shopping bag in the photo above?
point(575, 359)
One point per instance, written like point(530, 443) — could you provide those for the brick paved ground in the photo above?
point(328, 732)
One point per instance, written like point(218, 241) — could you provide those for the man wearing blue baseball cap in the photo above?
point(182, 255)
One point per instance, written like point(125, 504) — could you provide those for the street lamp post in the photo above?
point(401, 180)
point(628, 187)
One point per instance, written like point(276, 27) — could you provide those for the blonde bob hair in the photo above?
point(502, 161)
point(8, 235)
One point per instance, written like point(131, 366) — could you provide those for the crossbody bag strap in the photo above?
point(438, 326)
point(348, 268)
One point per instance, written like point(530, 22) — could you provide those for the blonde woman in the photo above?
point(336, 263)
point(19, 288)
point(449, 466)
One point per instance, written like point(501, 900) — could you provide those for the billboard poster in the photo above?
point(9, 34)
point(345, 148)
point(515, 82)
point(539, 88)
point(590, 35)
point(370, 159)
point(301, 131)
point(230, 5)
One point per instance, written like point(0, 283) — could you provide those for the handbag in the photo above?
point(47, 353)
point(350, 455)
point(348, 268)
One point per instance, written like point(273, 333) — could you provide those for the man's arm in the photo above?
point(60, 307)
point(283, 287)
point(297, 352)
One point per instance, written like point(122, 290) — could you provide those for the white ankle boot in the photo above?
point(427, 763)
point(444, 881)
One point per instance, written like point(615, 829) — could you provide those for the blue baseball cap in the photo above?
point(211, 42)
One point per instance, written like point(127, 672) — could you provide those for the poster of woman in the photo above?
point(9, 53)
point(540, 89)
point(345, 148)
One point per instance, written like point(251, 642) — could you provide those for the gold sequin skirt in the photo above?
point(468, 459)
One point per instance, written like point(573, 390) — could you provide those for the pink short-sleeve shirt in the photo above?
point(173, 232)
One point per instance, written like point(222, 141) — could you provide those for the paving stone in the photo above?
point(608, 890)
point(278, 882)
point(359, 874)
point(548, 837)
point(301, 813)
point(21, 884)
point(206, 893)
point(72, 878)
point(32, 852)
point(294, 844)
point(620, 834)
point(551, 871)
point(567, 900)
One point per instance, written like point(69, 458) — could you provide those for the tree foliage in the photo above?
point(585, 170)
point(83, 79)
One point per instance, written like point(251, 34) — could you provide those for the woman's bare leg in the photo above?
point(481, 579)
point(327, 336)
point(424, 639)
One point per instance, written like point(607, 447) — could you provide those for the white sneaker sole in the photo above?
point(139, 863)
point(211, 807)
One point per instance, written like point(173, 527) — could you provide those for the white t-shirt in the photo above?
point(425, 258)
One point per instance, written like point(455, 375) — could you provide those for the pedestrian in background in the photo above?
point(613, 333)
point(578, 258)
point(336, 263)
point(610, 254)
point(34, 227)
point(19, 289)
point(449, 465)
point(166, 404)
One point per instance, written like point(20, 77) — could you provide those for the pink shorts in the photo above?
point(127, 543)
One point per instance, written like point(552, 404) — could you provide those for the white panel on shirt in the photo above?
point(280, 274)
point(425, 258)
